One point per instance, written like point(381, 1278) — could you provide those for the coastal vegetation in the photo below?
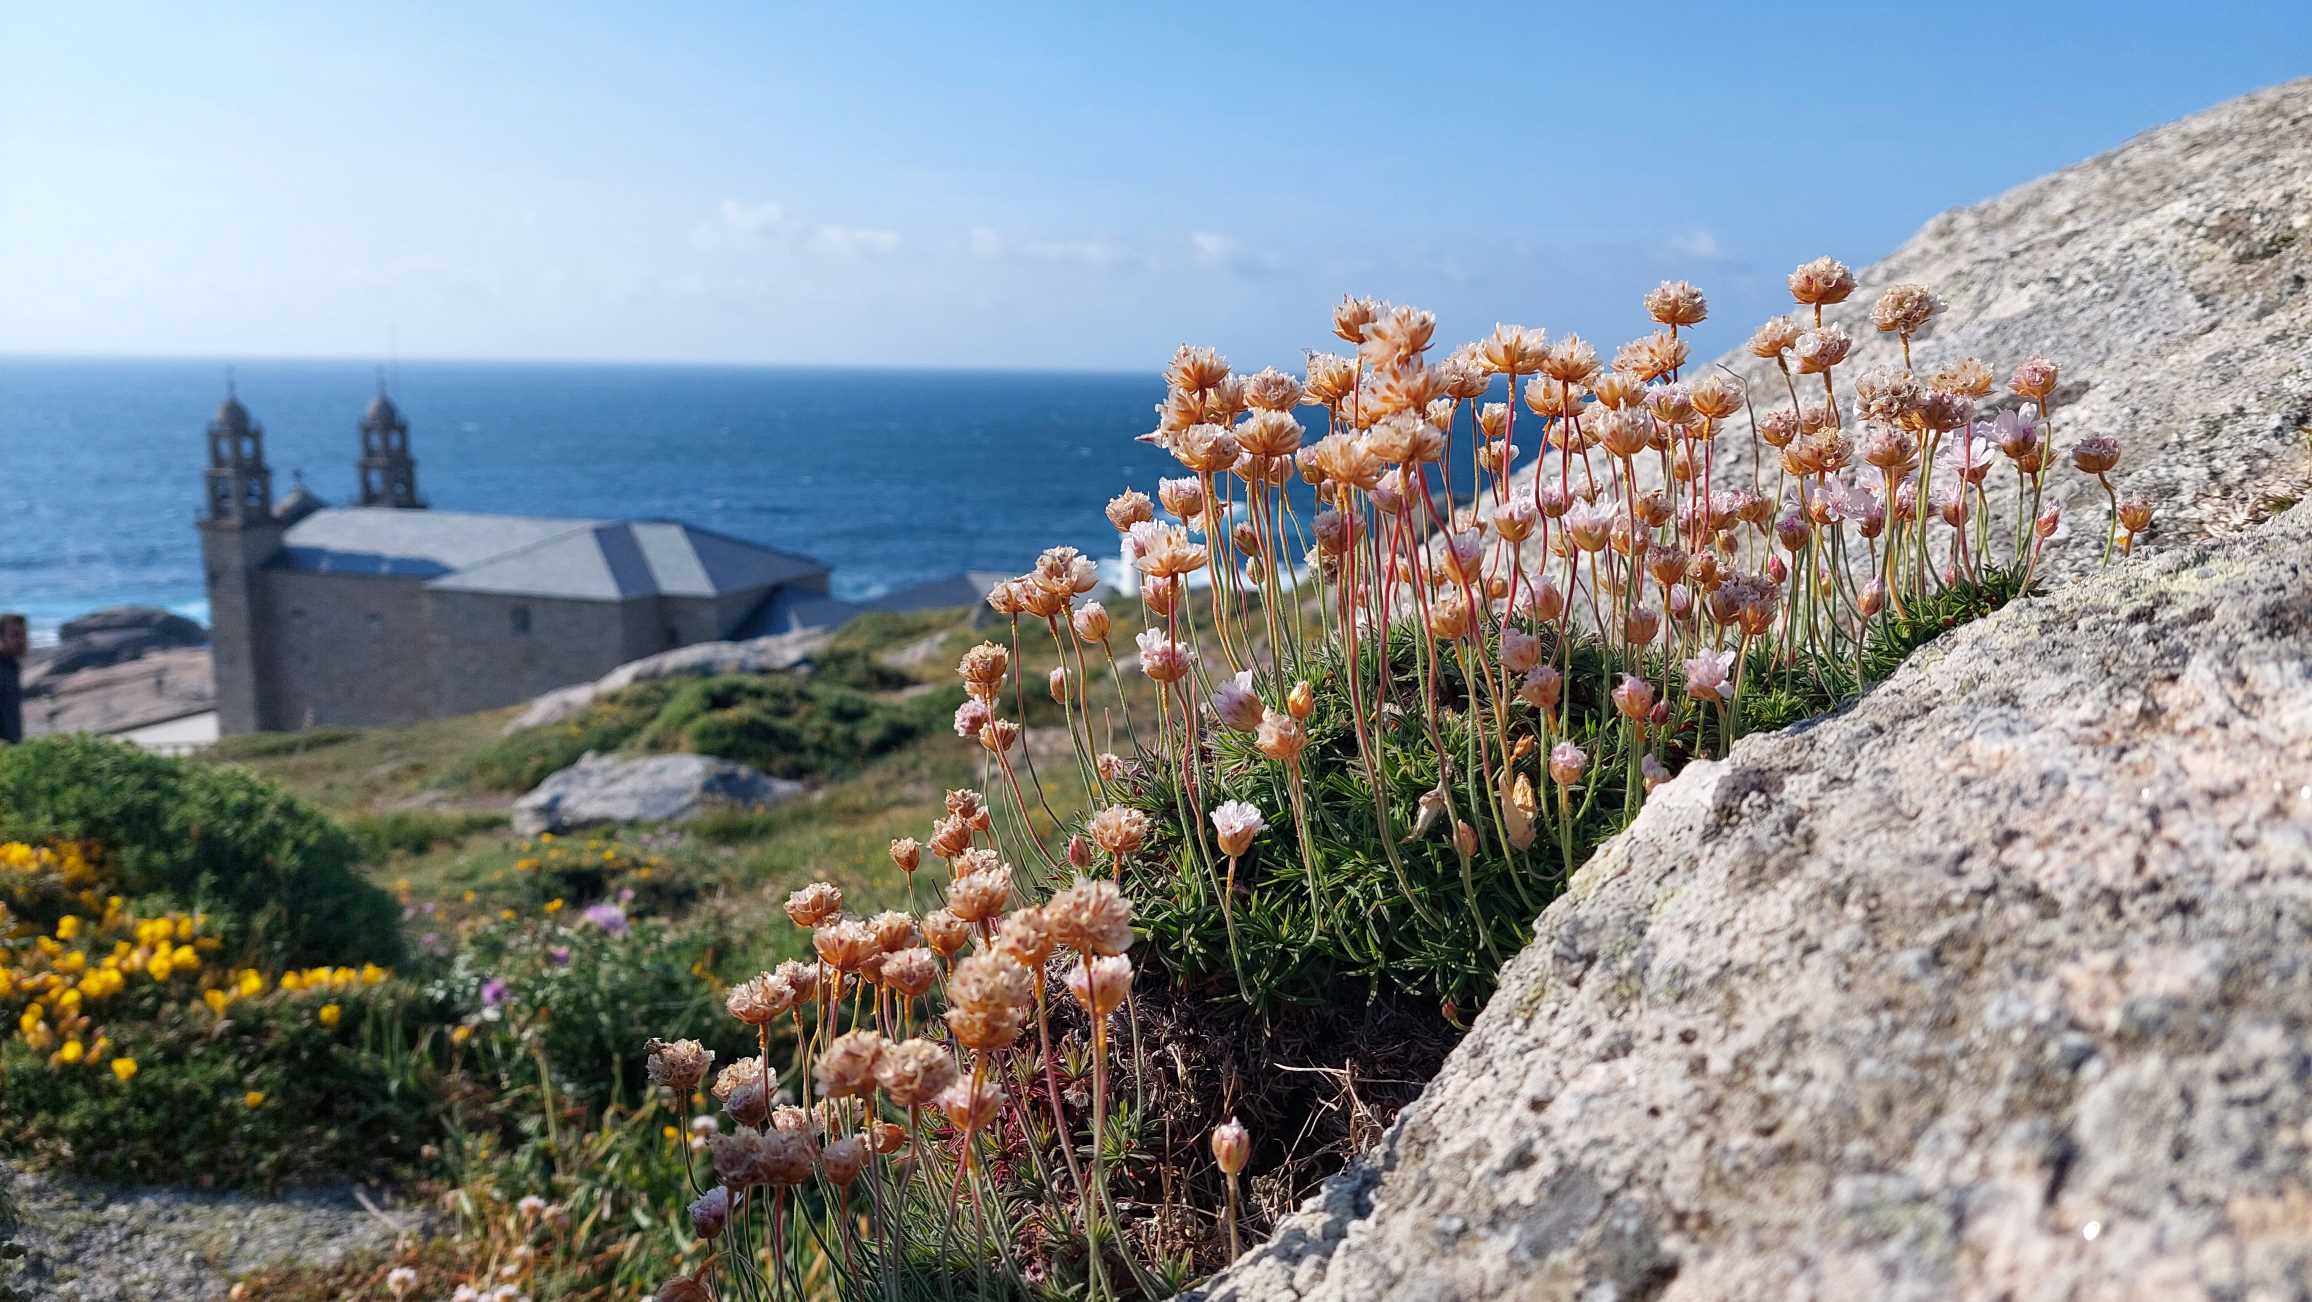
point(1079, 967)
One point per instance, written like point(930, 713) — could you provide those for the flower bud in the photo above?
point(1079, 853)
point(1873, 599)
point(709, 1213)
point(1464, 837)
point(1231, 1147)
point(1634, 697)
point(1301, 701)
point(1059, 685)
point(1567, 763)
point(1540, 687)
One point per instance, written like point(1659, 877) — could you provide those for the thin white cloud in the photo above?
point(986, 243)
point(854, 242)
point(1698, 244)
point(1101, 254)
point(1227, 253)
point(753, 226)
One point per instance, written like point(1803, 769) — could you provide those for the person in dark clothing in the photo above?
point(14, 645)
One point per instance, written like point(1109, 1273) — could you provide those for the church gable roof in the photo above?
point(584, 560)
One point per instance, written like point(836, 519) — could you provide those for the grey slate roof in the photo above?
point(537, 556)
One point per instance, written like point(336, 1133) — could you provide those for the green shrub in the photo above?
point(415, 831)
point(275, 873)
point(580, 993)
point(529, 757)
point(331, 1104)
point(786, 725)
point(789, 727)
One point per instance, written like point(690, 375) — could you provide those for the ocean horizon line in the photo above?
point(635, 364)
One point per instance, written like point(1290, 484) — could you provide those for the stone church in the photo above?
point(388, 612)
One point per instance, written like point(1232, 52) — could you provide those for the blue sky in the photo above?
point(1063, 185)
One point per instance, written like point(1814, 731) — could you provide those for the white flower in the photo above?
point(1706, 675)
point(1236, 823)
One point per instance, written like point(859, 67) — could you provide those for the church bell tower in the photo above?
point(239, 535)
point(388, 472)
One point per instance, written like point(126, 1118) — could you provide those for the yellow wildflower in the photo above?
point(291, 982)
point(553, 906)
point(253, 1099)
point(372, 974)
point(250, 983)
point(124, 1068)
point(72, 1051)
point(68, 926)
point(461, 1034)
point(216, 1000)
point(330, 1014)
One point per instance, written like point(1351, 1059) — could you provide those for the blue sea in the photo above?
point(890, 476)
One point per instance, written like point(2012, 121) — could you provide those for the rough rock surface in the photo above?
point(117, 634)
point(2170, 279)
point(604, 790)
point(782, 652)
point(95, 1243)
point(1997, 984)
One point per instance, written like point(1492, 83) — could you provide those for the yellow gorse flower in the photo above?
point(54, 979)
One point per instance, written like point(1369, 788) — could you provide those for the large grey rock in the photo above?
point(605, 790)
point(1997, 985)
point(114, 636)
point(2171, 281)
point(779, 653)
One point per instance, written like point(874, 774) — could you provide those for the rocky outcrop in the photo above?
point(607, 790)
point(1997, 984)
point(780, 653)
point(116, 635)
point(2171, 281)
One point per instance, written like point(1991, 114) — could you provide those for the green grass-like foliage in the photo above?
point(787, 726)
point(1445, 927)
point(275, 874)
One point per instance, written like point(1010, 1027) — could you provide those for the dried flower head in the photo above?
point(847, 1065)
point(678, 1065)
point(743, 1092)
point(814, 903)
point(2096, 456)
point(914, 1072)
point(1101, 983)
point(1026, 937)
point(842, 1160)
point(893, 930)
point(1120, 829)
point(906, 853)
point(979, 896)
point(845, 944)
point(1091, 916)
point(1129, 508)
point(1774, 337)
point(1280, 737)
point(983, 670)
point(971, 1108)
point(909, 972)
point(1904, 310)
point(761, 999)
point(2034, 379)
point(1676, 303)
point(1821, 282)
point(945, 933)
